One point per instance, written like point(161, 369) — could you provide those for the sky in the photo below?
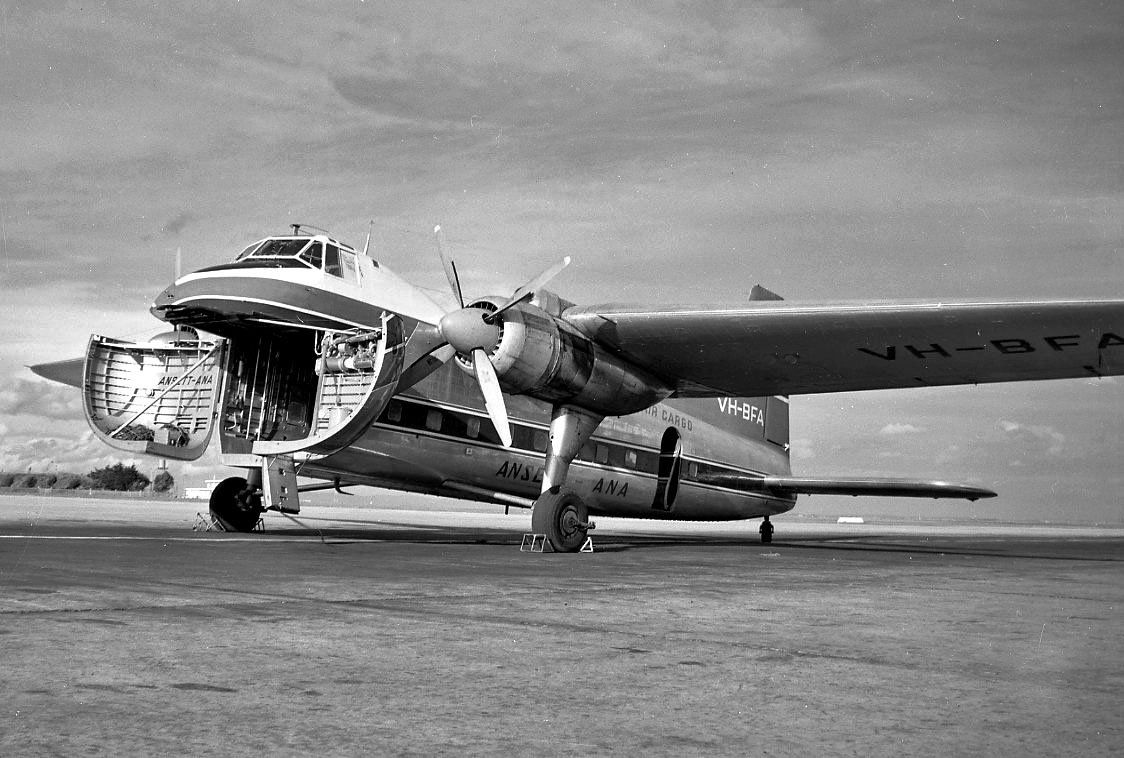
point(679, 152)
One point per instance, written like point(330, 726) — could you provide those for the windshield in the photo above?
point(279, 252)
point(280, 248)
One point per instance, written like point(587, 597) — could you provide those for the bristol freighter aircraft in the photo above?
point(305, 356)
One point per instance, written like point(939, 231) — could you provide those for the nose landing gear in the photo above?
point(236, 504)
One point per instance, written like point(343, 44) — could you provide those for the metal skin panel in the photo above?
point(425, 461)
point(778, 348)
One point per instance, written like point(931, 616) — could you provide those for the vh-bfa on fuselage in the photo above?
point(326, 363)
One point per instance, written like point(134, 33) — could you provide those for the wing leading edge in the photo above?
point(779, 347)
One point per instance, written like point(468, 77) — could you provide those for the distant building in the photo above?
point(201, 493)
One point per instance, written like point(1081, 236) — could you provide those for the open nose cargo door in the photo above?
point(156, 397)
point(269, 395)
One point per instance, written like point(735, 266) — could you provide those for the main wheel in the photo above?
point(563, 518)
point(235, 505)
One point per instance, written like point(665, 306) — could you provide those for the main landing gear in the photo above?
point(563, 518)
point(560, 515)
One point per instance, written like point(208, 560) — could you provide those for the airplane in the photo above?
point(305, 355)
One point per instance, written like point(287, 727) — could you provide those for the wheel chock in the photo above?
point(587, 547)
point(534, 543)
point(206, 523)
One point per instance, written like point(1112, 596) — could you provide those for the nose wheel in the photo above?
point(563, 518)
point(236, 505)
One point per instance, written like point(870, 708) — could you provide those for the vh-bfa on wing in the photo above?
point(325, 362)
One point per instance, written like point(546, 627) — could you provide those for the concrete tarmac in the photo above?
point(409, 632)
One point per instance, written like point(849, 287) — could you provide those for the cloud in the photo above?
point(47, 399)
point(175, 225)
point(896, 429)
point(76, 454)
point(1025, 439)
point(802, 449)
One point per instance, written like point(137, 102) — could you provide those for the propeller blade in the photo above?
point(493, 395)
point(528, 290)
point(424, 366)
point(450, 267)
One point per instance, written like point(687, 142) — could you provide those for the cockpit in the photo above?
point(314, 252)
point(301, 251)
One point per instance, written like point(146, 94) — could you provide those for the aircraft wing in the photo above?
point(799, 485)
point(783, 348)
point(69, 371)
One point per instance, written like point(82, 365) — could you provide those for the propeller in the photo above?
point(473, 332)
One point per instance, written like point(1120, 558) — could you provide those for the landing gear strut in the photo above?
point(236, 504)
point(563, 518)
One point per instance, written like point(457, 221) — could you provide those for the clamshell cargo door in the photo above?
point(352, 376)
point(155, 397)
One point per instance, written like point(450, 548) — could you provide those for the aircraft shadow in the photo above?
point(357, 531)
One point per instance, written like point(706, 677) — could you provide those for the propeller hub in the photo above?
point(466, 330)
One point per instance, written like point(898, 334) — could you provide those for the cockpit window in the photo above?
point(350, 266)
point(313, 255)
point(248, 250)
point(280, 248)
point(341, 263)
point(332, 261)
point(317, 253)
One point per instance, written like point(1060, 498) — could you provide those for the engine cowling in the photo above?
point(540, 355)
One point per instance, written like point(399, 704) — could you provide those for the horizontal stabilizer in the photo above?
point(65, 372)
point(799, 485)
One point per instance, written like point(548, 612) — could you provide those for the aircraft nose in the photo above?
point(163, 301)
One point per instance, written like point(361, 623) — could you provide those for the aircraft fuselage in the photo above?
point(653, 464)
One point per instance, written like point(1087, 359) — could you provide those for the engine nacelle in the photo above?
point(541, 355)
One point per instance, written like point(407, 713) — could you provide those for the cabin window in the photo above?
point(472, 427)
point(602, 454)
point(394, 412)
point(433, 420)
point(540, 441)
point(692, 470)
point(630, 458)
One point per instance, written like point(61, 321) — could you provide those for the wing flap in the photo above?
point(778, 347)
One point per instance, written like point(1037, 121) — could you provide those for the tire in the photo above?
point(563, 518)
point(235, 506)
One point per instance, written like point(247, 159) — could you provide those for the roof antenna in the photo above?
point(296, 229)
point(367, 245)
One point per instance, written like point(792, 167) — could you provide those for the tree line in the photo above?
point(115, 478)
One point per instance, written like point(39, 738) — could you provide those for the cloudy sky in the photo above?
point(680, 152)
